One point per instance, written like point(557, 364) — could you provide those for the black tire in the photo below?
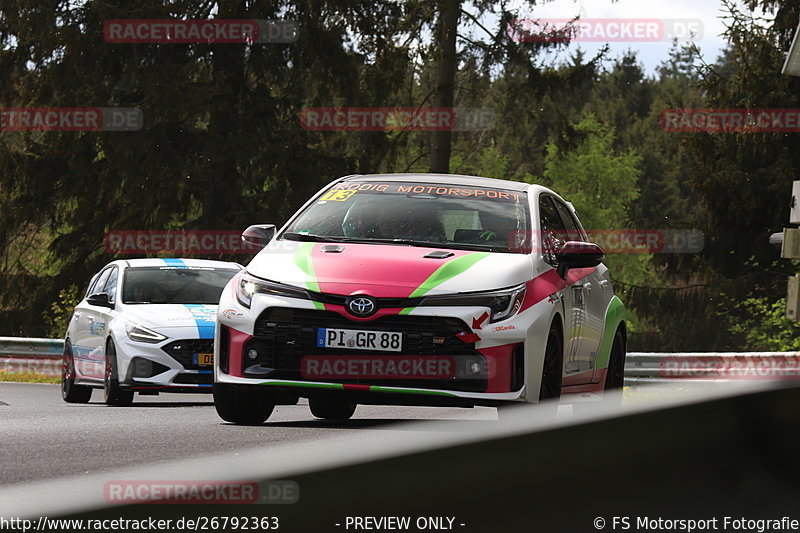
point(615, 376)
point(113, 394)
point(70, 392)
point(245, 407)
point(552, 371)
point(328, 408)
point(550, 388)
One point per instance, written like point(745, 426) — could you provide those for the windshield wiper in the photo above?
point(431, 244)
point(309, 237)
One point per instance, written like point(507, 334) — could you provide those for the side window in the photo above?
point(98, 285)
point(111, 285)
point(574, 232)
point(92, 283)
point(553, 229)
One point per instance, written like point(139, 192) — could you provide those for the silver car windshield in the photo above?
point(174, 285)
point(442, 216)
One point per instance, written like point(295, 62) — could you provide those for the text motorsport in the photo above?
point(689, 525)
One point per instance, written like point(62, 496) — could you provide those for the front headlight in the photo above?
point(142, 334)
point(246, 286)
point(506, 304)
point(502, 304)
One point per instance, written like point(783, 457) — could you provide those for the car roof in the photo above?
point(445, 179)
point(177, 262)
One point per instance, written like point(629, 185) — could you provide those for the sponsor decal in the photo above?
point(479, 193)
point(97, 328)
point(505, 328)
point(205, 319)
point(230, 314)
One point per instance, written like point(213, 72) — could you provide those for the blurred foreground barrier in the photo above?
point(725, 458)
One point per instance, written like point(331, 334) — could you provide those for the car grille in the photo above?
point(282, 336)
point(183, 351)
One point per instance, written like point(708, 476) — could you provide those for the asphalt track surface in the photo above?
point(42, 437)
point(57, 459)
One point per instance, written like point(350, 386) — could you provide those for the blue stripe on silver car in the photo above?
point(203, 318)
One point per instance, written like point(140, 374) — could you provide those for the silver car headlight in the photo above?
point(140, 333)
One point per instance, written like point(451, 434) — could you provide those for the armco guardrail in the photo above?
point(29, 346)
point(19, 354)
point(705, 367)
point(26, 354)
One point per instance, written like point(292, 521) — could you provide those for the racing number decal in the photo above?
point(337, 195)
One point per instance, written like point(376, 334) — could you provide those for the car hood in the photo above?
point(160, 317)
point(386, 270)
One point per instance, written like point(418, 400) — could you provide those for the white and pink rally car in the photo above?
point(418, 289)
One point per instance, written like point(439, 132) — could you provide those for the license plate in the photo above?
point(203, 359)
point(355, 339)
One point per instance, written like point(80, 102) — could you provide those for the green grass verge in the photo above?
point(27, 377)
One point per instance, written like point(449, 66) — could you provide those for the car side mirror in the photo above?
point(100, 299)
point(258, 236)
point(575, 254)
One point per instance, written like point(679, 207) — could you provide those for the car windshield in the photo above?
point(174, 285)
point(436, 215)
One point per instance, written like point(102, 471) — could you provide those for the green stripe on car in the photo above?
point(302, 258)
point(615, 314)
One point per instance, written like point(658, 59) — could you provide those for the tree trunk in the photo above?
point(444, 96)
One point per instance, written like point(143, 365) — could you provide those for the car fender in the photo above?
point(542, 316)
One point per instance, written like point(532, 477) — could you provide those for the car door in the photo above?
point(79, 331)
point(554, 233)
point(595, 292)
point(95, 320)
